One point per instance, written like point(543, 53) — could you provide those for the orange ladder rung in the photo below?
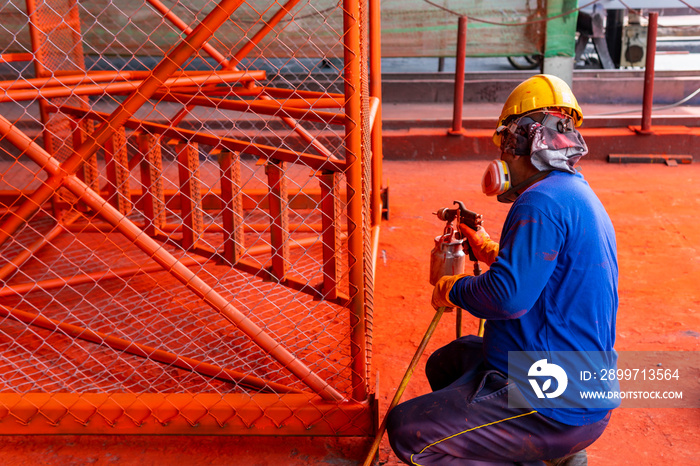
point(279, 218)
point(190, 194)
point(152, 181)
point(330, 226)
point(117, 169)
point(231, 206)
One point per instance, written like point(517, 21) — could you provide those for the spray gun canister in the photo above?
point(447, 257)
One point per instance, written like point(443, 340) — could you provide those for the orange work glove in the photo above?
point(485, 249)
point(441, 293)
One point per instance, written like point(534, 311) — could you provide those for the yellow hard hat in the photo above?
point(539, 92)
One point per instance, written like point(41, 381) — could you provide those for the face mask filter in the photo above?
point(496, 179)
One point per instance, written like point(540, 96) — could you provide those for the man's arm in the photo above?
point(526, 260)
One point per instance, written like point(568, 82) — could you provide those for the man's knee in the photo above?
point(401, 434)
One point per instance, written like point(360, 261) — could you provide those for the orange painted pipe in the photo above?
point(306, 136)
point(277, 92)
point(14, 57)
point(72, 79)
point(62, 90)
point(319, 102)
point(262, 108)
point(143, 351)
point(209, 228)
point(265, 30)
point(260, 150)
point(375, 91)
point(353, 157)
point(180, 24)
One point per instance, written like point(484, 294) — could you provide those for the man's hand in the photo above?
point(485, 249)
point(441, 293)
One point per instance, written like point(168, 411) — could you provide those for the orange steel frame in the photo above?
point(321, 410)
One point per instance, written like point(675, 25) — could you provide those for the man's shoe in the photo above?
point(577, 459)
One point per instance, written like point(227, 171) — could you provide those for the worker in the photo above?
point(551, 289)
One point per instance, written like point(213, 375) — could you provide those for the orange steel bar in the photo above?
point(190, 194)
point(47, 92)
point(279, 218)
point(153, 197)
point(208, 228)
point(180, 24)
point(117, 169)
point(265, 30)
point(320, 102)
point(262, 108)
point(175, 267)
point(375, 91)
point(143, 351)
point(71, 80)
point(173, 18)
point(459, 76)
point(231, 206)
point(330, 221)
point(93, 277)
point(269, 152)
point(13, 57)
point(300, 199)
point(184, 414)
point(353, 157)
point(306, 136)
point(170, 63)
point(374, 105)
point(648, 98)
point(286, 93)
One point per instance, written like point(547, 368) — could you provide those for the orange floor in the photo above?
point(655, 212)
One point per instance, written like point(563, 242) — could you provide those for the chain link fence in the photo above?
point(186, 228)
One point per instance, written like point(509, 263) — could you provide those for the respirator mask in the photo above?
point(496, 179)
point(497, 182)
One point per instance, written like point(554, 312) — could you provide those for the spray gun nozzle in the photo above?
point(466, 216)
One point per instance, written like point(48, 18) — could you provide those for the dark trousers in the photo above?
point(466, 419)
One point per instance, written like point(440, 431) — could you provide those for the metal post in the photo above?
point(353, 173)
point(375, 90)
point(459, 77)
point(649, 72)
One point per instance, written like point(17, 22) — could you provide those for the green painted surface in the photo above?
point(410, 28)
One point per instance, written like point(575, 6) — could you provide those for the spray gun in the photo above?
point(450, 251)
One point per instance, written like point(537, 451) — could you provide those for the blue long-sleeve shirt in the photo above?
point(553, 286)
